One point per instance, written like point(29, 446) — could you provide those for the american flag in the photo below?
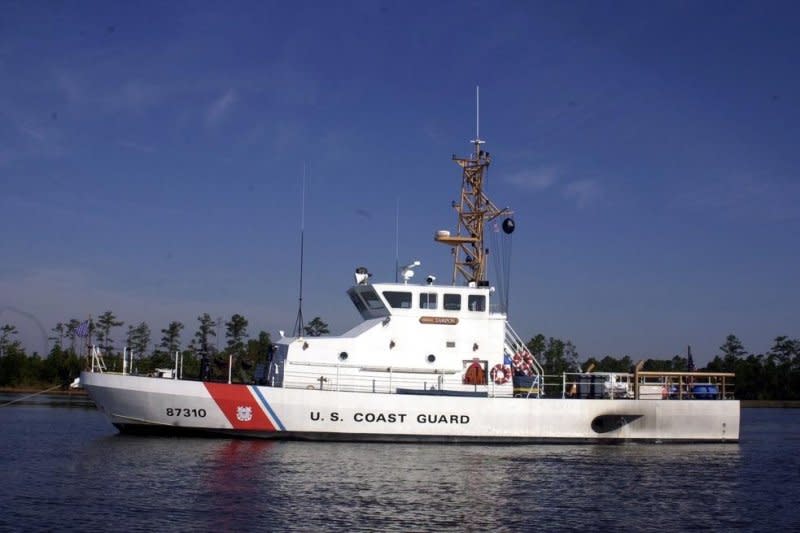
point(83, 329)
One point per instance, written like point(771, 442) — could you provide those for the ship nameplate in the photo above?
point(444, 320)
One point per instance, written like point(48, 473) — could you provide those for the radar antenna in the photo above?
point(474, 210)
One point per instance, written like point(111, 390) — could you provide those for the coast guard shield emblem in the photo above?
point(244, 414)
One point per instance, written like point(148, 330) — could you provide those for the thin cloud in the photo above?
point(535, 180)
point(37, 134)
point(745, 196)
point(583, 192)
point(220, 107)
point(131, 95)
point(137, 147)
point(71, 87)
point(134, 96)
point(34, 139)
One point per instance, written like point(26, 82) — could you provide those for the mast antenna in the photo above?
point(477, 142)
point(298, 324)
point(397, 240)
point(478, 112)
point(474, 210)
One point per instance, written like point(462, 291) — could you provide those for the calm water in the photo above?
point(67, 468)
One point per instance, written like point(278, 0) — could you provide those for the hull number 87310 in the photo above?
point(199, 413)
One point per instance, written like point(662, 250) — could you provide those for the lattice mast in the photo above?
point(475, 210)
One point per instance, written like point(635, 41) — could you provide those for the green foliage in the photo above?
point(771, 376)
point(774, 375)
point(191, 364)
point(71, 332)
point(316, 328)
point(537, 346)
point(259, 350)
point(236, 332)
point(58, 334)
point(676, 364)
point(147, 365)
point(7, 332)
point(204, 333)
point(139, 339)
point(62, 366)
point(105, 323)
point(171, 340)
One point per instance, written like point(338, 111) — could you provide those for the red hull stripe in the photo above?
point(240, 408)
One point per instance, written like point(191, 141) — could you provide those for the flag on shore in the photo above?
point(83, 329)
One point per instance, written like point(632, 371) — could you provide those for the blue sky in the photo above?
point(151, 160)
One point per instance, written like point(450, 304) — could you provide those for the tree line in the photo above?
point(201, 357)
point(774, 375)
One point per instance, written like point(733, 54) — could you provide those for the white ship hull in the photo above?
point(153, 405)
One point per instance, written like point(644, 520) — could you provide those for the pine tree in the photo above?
point(204, 333)
point(58, 338)
point(236, 332)
point(171, 340)
point(105, 323)
point(316, 328)
point(6, 343)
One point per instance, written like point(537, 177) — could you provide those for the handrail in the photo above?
point(648, 385)
point(653, 373)
point(385, 382)
point(97, 360)
point(684, 380)
point(380, 368)
point(516, 345)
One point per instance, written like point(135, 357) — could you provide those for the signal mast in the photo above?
point(474, 210)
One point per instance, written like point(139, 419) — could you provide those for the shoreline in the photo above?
point(33, 390)
point(762, 404)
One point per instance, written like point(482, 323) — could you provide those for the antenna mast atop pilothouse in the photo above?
point(474, 210)
point(298, 324)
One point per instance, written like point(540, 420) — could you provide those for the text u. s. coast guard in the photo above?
point(369, 417)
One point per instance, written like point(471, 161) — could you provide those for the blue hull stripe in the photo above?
point(271, 412)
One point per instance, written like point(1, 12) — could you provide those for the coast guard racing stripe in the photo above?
point(241, 409)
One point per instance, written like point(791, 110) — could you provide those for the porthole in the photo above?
point(431, 358)
point(343, 356)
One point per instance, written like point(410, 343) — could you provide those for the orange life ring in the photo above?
point(500, 374)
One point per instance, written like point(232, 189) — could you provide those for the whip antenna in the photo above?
point(298, 324)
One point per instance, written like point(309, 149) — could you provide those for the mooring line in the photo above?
point(29, 396)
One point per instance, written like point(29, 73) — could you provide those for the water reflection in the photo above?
point(69, 469)
point(401, 487)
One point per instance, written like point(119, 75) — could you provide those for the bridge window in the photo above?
point(427, 300)
point(476, 302)
point(372, 299)
point(397, 299)
point(357, 302)
point(452, 302)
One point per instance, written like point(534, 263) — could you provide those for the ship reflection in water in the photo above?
point(232, 484)
point(413, 487)
point(55, 477)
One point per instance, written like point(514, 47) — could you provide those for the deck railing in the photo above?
point(594, 385)
point(350, 378)
point(647, 385)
